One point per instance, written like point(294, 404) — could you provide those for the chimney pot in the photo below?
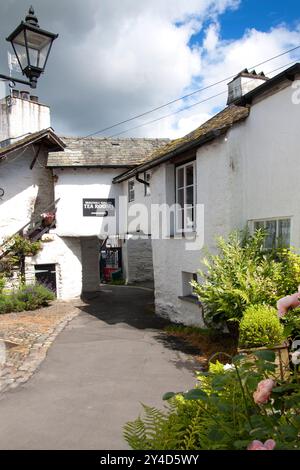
point(24, 95)
point(33, 98)
point(15, 93)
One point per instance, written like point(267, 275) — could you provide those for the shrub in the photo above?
point(28, 297)
point(260, 326)
point(244, 274)
point(2, 283)
point(221, 414)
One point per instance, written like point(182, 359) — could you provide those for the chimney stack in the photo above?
point(21, 114)
point(244, 82)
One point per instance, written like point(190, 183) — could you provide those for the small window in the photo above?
point(147, 178)
point(185, 197)
point(278, 232)
point(130, 191)
point(187, 278)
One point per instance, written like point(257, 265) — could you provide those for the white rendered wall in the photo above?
point(251, 173)
point(66, 254)
point(19, 117)
point(26, 192)
point(71, 187)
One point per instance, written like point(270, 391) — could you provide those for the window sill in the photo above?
point(189, 298)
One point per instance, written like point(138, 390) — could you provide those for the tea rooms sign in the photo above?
point(98, 207)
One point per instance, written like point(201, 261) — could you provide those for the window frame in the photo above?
point(185, 207)
point(131, 190)
point(147, 178)
point(276, 238)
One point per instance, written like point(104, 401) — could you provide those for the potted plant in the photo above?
point(260, 329)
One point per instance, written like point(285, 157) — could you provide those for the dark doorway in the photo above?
point(45, 274)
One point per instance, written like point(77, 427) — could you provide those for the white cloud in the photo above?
point(115, 59)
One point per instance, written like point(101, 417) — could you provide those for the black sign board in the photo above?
point(98, 207)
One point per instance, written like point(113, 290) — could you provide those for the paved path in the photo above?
point(108, 360)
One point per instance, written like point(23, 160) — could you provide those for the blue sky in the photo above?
point(261, 15)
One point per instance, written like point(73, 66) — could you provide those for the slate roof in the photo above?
point(207, 132)
point(49, 138)
point(104, 152)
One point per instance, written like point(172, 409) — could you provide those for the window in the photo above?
point(147, 177)
point(278, 232)
point(187, 289)
point(185, 197)
point(130, 191)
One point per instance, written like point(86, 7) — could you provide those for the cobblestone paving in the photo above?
point(25, 338)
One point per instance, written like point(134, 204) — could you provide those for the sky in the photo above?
point(115, 59)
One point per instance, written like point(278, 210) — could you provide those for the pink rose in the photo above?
point(288, 302)
point(263, 391)
point(258, 445)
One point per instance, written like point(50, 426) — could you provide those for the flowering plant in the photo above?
point(239, 407)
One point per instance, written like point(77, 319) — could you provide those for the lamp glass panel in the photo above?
point(20, 49)
point(38, 47)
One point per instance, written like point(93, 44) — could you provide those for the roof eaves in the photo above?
point(31, 139)
point(173, 153)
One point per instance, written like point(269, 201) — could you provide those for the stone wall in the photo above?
point(90, 264)
point(137, 260)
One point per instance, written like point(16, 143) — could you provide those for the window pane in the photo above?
point(258, 225)
point(180, 197)
point(284, 233)
point(190, 218)
point(180, 178)
point(270, 240)
point(190, 195)
point(189, 175)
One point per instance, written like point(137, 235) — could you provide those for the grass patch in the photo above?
point(208, 341)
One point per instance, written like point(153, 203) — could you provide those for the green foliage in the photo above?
point(2, 283)
point(189, 330)
point(19, 247)
point(27, 297)
point(260, 326)
point(291, 322)
point(244, 274)
point(220, 413)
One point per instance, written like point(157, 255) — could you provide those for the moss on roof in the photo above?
point(210, 130)
point(221, 121)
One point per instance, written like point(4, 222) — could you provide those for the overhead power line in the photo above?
point(186, 107)
point(187, 95)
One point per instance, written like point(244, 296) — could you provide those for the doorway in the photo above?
point(45, 274)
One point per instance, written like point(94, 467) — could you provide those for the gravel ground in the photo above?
point(26, 336)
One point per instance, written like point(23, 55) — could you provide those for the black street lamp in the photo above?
point(32, 47)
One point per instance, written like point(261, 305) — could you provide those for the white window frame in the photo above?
point(276, 220)
point(186, 207)
point(147, 189)
point(131, 190)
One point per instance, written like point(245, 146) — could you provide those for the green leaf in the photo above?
point(215, 434)
point(266, 355)
point(238, 358)
point(195, 394)
point(168, 395)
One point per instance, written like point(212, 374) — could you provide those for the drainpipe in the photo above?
point(146, 183)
